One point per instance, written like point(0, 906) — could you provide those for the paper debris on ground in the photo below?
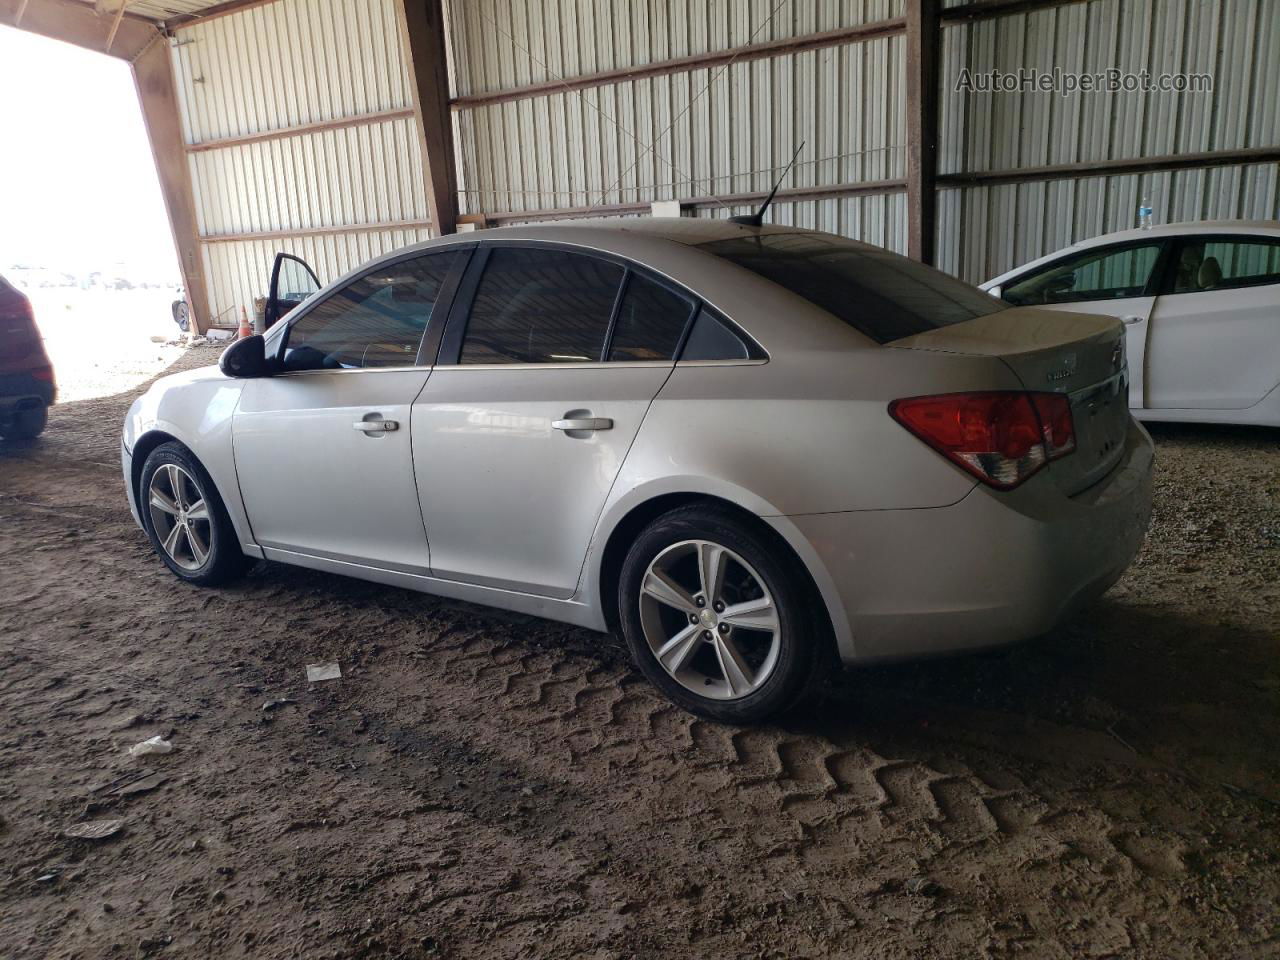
point(323, 671)
point(145, 785)
point(154, 745)
point(93, 829)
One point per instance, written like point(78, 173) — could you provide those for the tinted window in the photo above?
point(878, 293)
point(713, 339)
point(376, 321)
point(541, 306)
point(1213, 264)
point(1107, 273)
point(651, 320)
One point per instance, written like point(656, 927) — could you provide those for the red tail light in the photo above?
point(44, 373)
point(1002, 438)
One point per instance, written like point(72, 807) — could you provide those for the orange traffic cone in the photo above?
point(245, 329)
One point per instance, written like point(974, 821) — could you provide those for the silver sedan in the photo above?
point(756, 452)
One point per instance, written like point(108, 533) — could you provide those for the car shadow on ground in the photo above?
point(1230, 434)
point(1119, 683)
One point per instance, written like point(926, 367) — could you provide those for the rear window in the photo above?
point(880, 294)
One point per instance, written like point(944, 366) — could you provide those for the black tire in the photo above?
point(181, 315)
point(802, 635)
point(27, 422)
point(224, 561)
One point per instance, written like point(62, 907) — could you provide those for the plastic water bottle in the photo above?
point(1144, 214)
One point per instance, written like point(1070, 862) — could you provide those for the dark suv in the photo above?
point(26, 377)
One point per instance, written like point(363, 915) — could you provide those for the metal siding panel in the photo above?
point(1236, 41)
point(234, 81)
point(708, 131)
point(986, 230)
point(500, 44)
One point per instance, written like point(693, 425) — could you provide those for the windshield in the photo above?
point(880, 294)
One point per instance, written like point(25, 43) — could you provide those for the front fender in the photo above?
point(198, 413)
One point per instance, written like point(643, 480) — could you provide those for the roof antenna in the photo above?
point(757, 219)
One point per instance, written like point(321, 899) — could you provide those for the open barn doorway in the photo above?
point(85, 235)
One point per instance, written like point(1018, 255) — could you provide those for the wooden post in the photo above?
point(923, 38)
point(153, 78)
point(422, 30)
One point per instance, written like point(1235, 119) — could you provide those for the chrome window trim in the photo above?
point(747, 362)
point(345, 370)
point(584, 365)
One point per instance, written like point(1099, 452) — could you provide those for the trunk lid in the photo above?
point(1078, 354)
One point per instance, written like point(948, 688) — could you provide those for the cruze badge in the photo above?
point(1067, 369)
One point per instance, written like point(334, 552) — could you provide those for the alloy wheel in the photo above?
point(180, 516)
point(709, 620)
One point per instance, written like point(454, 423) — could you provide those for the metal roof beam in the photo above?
point(212, 12)
point(78, 23)
point(153, 77)
point(424, 37)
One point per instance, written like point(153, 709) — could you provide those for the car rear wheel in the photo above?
point(185, 518)
point(716, 619)
point(27, 422)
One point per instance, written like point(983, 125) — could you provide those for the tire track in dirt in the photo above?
point(810, 789)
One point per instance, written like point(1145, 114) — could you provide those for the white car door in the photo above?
point(1215, 336)
point(323, 448)
point(550, 362)
point(1117, 280)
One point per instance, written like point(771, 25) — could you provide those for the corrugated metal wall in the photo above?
point(984, 231)
point(282, 65)
point(712, 131)
point(687, 134)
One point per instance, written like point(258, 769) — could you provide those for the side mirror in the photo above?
point(245, 358)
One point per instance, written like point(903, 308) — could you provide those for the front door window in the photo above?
point(1104, 273)
point(375, 321)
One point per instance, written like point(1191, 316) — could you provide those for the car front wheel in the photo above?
point(716, 617)
point(186, 520)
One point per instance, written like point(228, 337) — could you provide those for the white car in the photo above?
point(1201, 307)
point(757, 452)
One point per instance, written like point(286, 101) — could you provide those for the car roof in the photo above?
point(1266, 228)
point(687, 230)
point(667, 247)
point(1184, 228)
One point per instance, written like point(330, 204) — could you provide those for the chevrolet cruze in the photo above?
point(757, 452)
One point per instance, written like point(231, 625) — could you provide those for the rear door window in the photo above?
point(651, 320)
point(880, 294)
point(713, 338)
point(541, 306)
point(1225, 263)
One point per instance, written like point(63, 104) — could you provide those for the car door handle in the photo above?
point(1130, 321)
point(376, 426)
point(583, 423)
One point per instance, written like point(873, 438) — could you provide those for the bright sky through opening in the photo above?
point(78, 189)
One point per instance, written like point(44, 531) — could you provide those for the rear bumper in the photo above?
point(992, 569)
point(19, 392)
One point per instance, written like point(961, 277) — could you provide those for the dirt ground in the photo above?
point(484, 785)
